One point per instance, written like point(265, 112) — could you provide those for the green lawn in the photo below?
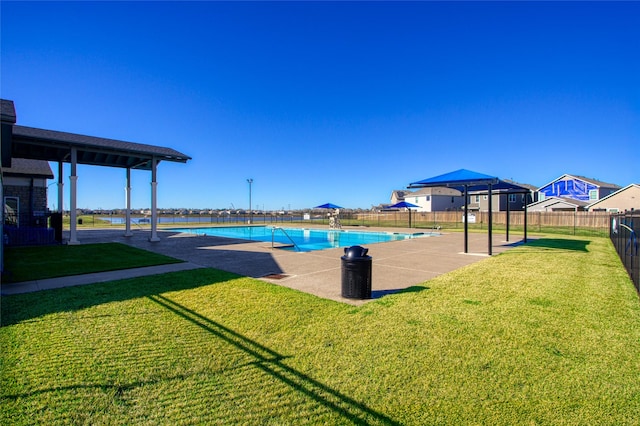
point(35, 263)
point(546, 333)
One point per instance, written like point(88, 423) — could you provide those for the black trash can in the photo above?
point(56, 224)
point(356, 273)
point(79, 221)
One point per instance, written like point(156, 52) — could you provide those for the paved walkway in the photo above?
point(98, 277)
point(396, 265)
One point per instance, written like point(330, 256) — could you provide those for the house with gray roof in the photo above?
point(479, 200)
point(557, 204)
point(432, 199)
point(577, 188)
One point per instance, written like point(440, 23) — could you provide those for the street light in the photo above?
point(250, 182)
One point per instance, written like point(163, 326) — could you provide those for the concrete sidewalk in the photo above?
point(396, 265)
point(98, 277)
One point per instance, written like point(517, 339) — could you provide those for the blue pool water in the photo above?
point(302, 239)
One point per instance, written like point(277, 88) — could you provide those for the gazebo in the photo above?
point(62, 147)
point(465, 181)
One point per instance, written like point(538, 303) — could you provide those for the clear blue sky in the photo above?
point(330, 101)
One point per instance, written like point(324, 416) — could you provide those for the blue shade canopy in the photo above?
point(474, 181)
point(461, 177)
point(327, 206)
point(402, 204)
point(467, 181)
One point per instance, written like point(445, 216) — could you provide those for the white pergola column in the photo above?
point(73, 240)
point(127, 211)
point(154, 202)
point(60, 188)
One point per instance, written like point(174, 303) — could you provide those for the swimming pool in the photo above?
point(302, 239)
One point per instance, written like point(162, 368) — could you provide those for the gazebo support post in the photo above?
point(526, 201)
point(466, 218)
point(508, 203)
point(73, 178)
point(60, 188)
point(154, 202)
point(490, 238)
point(127, 209)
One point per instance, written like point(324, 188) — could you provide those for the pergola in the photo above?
point(62, 147)
point(467, 181)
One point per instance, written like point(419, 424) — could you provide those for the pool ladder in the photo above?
point(273, 233)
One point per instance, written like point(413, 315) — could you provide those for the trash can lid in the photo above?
point(354, 252)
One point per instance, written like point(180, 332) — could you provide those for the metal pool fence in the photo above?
point(571, 223)
point(624, 229)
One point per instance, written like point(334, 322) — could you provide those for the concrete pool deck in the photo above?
point(396, 265)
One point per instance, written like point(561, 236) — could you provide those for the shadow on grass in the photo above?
point(31, 306)
point(377, 294)
point(28, 306)
point(559, 244)
point(30, 263)
point(271, 363)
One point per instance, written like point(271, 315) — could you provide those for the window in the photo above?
point(593, 194)
point(477, 198)
point(512, 198)
point(11, 210)
point(428, 197)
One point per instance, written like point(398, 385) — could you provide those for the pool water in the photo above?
point(303, 239)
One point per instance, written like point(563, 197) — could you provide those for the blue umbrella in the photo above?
point(327, 206)
point(404, 204)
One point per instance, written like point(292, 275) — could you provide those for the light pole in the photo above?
point(250, 182)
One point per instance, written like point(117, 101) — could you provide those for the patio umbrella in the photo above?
point(327, 206)
point(333, 221)
point(404, 204)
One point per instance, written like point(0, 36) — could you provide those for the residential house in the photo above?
point(578, 188)
point(479, 200)
point(625, 199)
point(399, 195)
point(557, 204)
point(435, 199)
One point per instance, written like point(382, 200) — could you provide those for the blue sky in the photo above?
point(338, 102)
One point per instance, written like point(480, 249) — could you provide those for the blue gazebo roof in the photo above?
point(473, 181)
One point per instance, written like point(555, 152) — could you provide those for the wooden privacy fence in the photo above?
point(536, 221)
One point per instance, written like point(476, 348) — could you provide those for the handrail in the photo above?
point(273, 231)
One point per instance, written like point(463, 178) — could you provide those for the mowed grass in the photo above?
point(546, 333)
point(41, 262)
